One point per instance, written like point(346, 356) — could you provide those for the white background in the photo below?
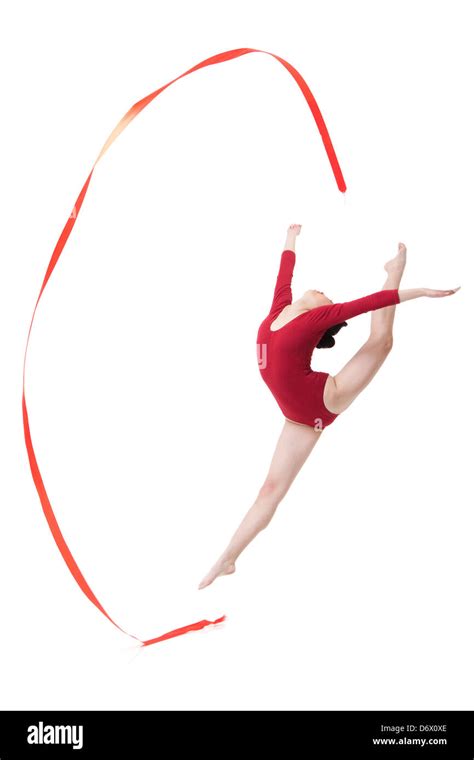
point(152, 427)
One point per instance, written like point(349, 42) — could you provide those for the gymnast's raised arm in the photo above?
point(282, 295)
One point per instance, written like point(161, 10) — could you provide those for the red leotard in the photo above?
point(284, 355)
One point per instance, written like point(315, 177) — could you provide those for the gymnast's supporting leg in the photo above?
point(293, 448)
point(341, 390)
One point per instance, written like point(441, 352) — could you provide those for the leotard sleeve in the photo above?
point(323, 317)
point(282, 295)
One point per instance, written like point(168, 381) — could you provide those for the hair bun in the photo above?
point(327, 341)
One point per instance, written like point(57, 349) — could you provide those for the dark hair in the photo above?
point(327, 341)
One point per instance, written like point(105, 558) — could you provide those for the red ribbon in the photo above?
point(35, 471)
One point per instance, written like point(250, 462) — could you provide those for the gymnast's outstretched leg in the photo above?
point(341, 390)
point(293, 448)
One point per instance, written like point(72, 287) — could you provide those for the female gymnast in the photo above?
point(310, 401)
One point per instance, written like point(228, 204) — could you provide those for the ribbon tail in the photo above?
point(183, 630)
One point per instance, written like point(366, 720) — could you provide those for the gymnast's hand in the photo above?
point(439, 293)
point(407, 295)
point(292, 232)
point(294, 229)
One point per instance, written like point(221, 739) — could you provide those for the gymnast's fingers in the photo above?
point(442, 293)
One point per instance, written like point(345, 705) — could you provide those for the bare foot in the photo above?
point(397, 264)
point(222, 567)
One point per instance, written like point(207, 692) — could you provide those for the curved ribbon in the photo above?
point(124, 122)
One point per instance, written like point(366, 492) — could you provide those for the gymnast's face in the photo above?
point(314, 298)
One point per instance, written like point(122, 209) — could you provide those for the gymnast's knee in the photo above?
point(272, 491)
point(383, 342)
